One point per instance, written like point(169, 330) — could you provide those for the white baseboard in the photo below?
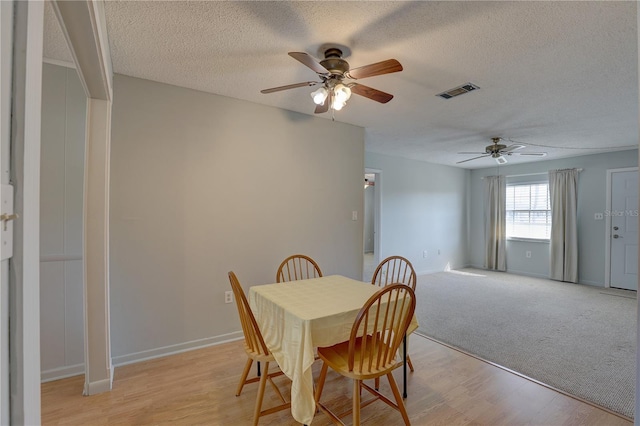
point(591, 283)
point(105, 385)
point(61, 373)
point(95, 388)
point(175, 349)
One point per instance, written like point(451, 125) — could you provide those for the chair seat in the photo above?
point(337, 357)
point(257, 356)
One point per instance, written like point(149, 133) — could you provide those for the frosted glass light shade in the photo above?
point(319, 96)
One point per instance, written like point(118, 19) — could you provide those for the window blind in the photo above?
point(528, 211)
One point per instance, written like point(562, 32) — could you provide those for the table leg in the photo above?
point(259, 368)
point(404, 366)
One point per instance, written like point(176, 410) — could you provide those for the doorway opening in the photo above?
point(371, 222)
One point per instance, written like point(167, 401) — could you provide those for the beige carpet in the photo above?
point(576, 338)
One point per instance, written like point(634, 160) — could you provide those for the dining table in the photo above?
point(296, 317)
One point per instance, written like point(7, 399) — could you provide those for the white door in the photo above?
point(624, 230)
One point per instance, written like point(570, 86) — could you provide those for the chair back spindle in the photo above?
point(395, 269)
point(297, 267)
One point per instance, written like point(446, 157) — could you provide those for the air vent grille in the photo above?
point(457, 91)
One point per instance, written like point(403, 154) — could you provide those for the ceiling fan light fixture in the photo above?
point(319, 95)
point(342, 93)
point(337, 106)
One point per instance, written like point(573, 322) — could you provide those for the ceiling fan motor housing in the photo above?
point(333, 62)
point(495, 149)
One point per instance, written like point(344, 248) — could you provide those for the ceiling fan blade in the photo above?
point(290, 86)
point(371, 93)
point(533, 154)
point(474, 158)
point(476, 153)
point(309, 61)
point(513, 148)
point(379, 68)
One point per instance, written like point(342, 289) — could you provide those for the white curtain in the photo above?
point(563, 190)
point(495, 225)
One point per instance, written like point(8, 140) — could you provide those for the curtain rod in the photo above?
point(532, 174)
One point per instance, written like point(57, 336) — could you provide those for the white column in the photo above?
point(98, 367)
point(84, 27)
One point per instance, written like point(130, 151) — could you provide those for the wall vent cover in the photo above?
point(457, 91)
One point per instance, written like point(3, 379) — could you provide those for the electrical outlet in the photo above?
point(425, 254)
point(228, 296)
point(528, 254)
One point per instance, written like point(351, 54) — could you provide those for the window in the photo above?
point(528, 211)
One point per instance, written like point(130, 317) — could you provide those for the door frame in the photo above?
point(6, 65)
point(607, 235)
point(24, 279)
point(377, 212)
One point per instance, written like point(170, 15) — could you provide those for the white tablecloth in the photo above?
point(296, 317)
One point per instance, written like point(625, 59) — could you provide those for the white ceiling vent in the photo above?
point(465, 88)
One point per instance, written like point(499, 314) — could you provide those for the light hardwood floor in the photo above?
point(198, 387)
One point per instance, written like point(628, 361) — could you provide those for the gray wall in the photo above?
point(591, 199)
point(61, 180)
point(202, 185)
point(424, 207)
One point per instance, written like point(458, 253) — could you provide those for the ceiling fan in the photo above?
point(500, 151)
point(336, 85)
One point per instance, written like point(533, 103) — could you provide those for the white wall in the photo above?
point(424, 207)
point(61, 177)
point(202, 185)
point(591, 200)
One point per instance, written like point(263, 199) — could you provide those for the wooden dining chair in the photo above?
point(395, 269)
point(372, 349)
point(256, 350)
point(297, 267)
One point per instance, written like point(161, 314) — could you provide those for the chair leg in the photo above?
point(263, 384)
point(410, 363)
point(399, 401)
point(321, 379)
point(356, 402)
point(245, 373)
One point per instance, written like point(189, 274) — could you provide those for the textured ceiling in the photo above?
point(553, 76)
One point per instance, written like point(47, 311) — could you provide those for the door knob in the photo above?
point(4, 218)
